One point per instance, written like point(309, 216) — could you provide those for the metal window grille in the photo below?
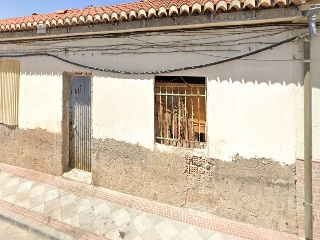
point(180, 114)
point(9, 91)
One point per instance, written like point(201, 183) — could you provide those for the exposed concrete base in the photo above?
point(33, 149)
point(256, 191)
point(79, 176)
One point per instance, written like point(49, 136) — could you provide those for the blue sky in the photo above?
point(15, 8)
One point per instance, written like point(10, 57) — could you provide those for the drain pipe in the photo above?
point(308, 217)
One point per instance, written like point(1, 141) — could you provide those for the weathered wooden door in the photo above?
point(80, 122)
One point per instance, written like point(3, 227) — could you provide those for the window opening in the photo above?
point(180, 111)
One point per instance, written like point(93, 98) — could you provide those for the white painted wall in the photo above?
point(252, 118)
point(40, 100)
point(123, 110)
point(254, 106)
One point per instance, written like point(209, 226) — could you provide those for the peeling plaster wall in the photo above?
point(253, 105)
point(254, 117)
point(257, 191)
point(246, 115)
point(35, 149)
point(253, 114)
point(36, 143)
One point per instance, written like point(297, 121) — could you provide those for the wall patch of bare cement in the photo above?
point(35, 149)
point(256, 191)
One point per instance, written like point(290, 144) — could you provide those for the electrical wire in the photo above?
point(156, 32)
point(186, 42)
point(197, 43)
point(179, 45)
point(154, 72)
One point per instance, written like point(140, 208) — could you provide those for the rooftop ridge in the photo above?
point(141, 9)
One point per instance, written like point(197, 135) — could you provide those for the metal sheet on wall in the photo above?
point(80, 122)
point(9, 91)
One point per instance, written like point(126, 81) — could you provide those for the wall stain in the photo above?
point(34, 149)
point(256, 191)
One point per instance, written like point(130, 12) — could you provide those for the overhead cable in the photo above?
point(153, 72)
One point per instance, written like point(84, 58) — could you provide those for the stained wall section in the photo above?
point(36, 142)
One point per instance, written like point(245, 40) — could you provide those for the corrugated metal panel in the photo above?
point(9, 91)
point(80, 122)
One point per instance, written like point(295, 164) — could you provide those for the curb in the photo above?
point(192, 217)
point(43, 225)
point(32, 226)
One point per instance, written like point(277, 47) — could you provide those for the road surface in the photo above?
point(12, 232)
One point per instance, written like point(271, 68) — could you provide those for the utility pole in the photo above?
point(308, 216)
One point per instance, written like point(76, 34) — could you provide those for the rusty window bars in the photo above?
point(180, 114)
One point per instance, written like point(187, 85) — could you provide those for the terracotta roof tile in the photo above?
point(143, 8)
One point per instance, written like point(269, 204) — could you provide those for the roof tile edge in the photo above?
point(137, 10)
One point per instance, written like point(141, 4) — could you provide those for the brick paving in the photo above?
point(87, 212)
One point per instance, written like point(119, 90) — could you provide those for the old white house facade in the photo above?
point(196, 106)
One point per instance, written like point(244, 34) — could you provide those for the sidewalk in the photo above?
point(63, 209)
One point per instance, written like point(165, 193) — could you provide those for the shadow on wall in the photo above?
point(240, 71)
point(154, 52)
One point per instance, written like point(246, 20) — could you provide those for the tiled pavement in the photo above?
point(82, 211)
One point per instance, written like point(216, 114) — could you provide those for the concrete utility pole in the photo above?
point(308, 223)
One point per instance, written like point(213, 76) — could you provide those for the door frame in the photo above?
point(66, 82)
